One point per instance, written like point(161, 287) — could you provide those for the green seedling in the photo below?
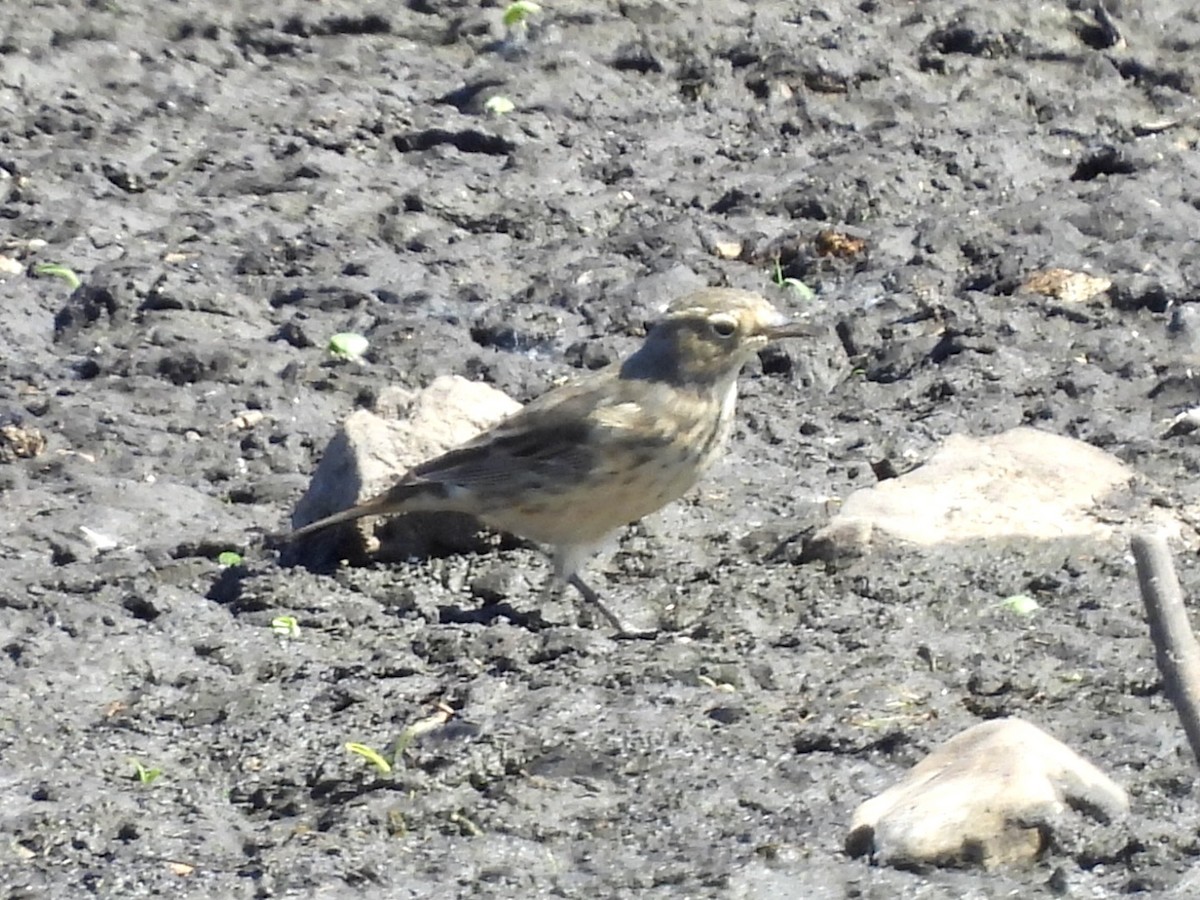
point(348, 345)
point(55, 270)
point(145, 775)
point(518, 12)
point(371, 755)
point(467, 826)
point(499, 106)
point(229, 558)
point(404, 740)
point(723, 686)
point(1021, 604)
point(286, 627)
point(792, 284)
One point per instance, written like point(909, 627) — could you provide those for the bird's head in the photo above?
point(706, 337)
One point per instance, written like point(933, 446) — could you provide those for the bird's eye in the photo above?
point(723, 327)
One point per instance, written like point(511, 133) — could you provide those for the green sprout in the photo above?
point(286, 627)
point(229, 558)
point(55, 270)
point(517, 12)
point(723, 686)
point(404, 740)
point(144, 774)
point(499, 106)
point(467, 826)
point(793, 284)
point(348, 345)
point(371, 755)
point(1021, 604)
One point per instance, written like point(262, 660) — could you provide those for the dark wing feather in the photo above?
point(549, 440)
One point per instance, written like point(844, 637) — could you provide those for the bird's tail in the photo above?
point(401, 498)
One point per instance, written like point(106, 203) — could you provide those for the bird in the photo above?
point(592, 455)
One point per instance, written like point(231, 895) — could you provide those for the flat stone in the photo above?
point(990, 796)
point(1023, 483)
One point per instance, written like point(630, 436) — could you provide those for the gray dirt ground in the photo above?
point(236, 181)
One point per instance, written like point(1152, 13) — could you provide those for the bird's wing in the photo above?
point(599, 422)
point(551, 438)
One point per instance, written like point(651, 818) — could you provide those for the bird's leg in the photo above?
point(593, 598)
point(553, 588)
point(567, 560)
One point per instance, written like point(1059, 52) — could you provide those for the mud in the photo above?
point(236, 182)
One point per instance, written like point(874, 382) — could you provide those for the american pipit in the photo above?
point(588, 457)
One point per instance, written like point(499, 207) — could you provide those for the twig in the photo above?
point(1174, 643)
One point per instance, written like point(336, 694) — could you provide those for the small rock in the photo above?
point(371, 452)
point(1065, 285)
point(728, 715)
point(100, 543)
point(1023, 483)
point(495, 584)
point(1184, 423)
point(19, 441)
point(989, 796)
point(244, 421)
point(727, 249)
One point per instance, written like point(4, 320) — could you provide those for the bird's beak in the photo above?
point(791, 330)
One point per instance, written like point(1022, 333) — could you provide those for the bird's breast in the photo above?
point(635, 470)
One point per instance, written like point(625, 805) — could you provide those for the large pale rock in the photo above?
point(990, 796)
point(1023, 483)
point(375, 448)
